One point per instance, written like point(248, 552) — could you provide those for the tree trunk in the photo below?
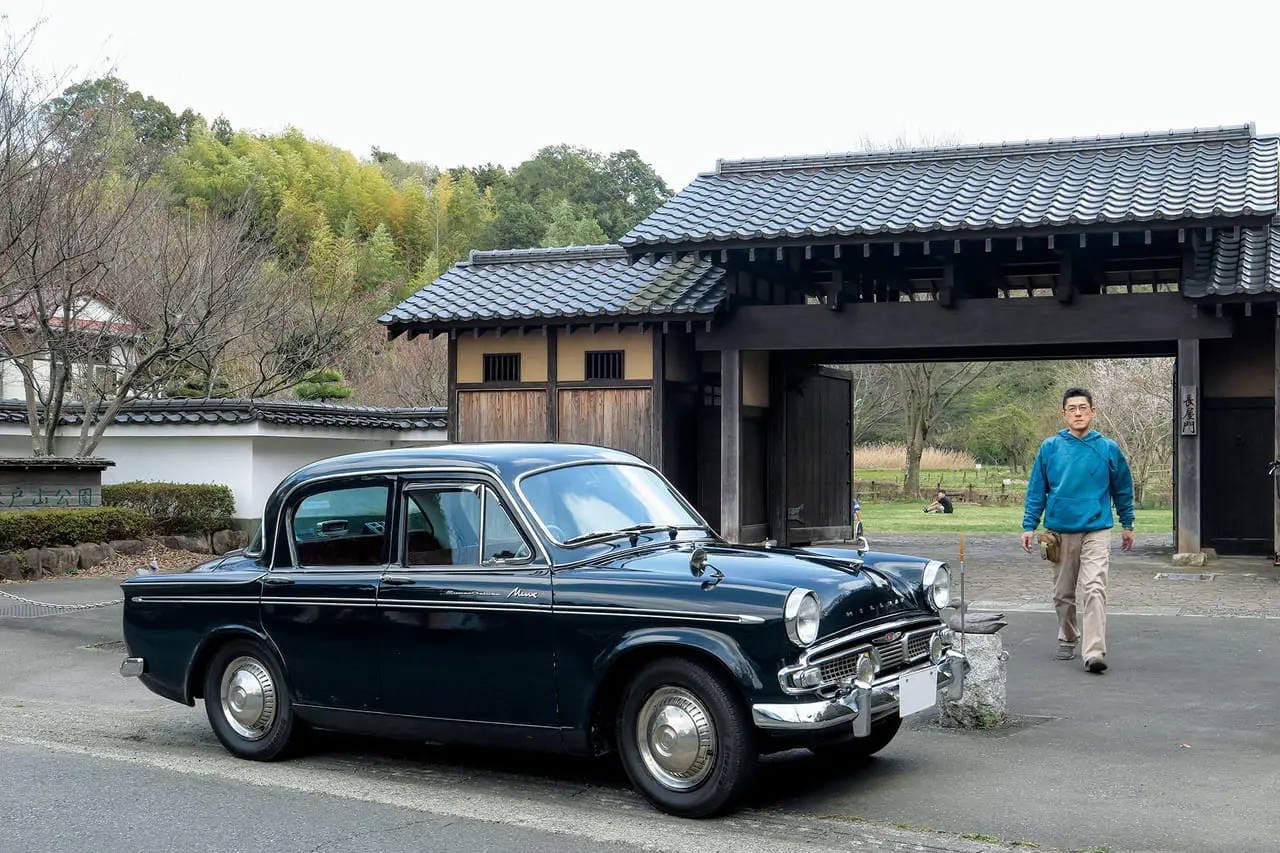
point(915, 451)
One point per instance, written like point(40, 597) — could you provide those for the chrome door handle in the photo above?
point(277, 581)
point(397, 580)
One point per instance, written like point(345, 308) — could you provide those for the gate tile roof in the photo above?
point(237, 410)
point(581, 281)
point(1176, 175)
point(1242, 261)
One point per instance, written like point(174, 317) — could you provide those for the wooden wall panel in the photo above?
point(502, 415)
point(620, 418)
point(818, 449)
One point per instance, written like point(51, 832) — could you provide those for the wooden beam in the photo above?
point(776, 450)
point(658, 403)
point(986, 324)
point(451, 430)
point(1276, 430)
point(1187, 439)
point(553, 390)
point(731, 444)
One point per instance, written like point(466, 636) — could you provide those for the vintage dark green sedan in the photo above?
point(543, 596)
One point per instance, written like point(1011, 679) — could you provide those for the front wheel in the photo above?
point(861, 748)
point(248, 703)
point(686, 739)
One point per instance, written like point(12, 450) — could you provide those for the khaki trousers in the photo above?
point(1083, 561)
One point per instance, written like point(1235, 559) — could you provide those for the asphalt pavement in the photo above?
point(1173, 749)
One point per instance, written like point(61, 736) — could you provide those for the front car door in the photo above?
point(466, 615)
point(318, 601)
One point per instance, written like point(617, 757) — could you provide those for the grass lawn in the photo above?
point(906, 517)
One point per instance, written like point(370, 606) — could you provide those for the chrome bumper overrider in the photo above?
point(860, 704)
point(132, 667)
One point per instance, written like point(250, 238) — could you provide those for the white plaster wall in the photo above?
point(250, 458)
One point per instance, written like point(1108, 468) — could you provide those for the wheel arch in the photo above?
point(209, 646)
point(710, 648)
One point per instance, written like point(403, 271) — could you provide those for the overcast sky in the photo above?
point(683, 83)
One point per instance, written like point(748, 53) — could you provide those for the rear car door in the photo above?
point(319, 607)
point(465, 616)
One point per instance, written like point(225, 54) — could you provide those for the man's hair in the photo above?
point(942, 491)
point(1077, 392)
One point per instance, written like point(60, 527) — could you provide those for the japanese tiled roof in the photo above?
point(571, 282)
point(1176, 175)
point(1243, 261)
point(241, 410)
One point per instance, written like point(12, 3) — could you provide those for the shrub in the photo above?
point(45, 528)
point(177, 509)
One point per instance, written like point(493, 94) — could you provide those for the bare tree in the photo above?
point(400, 372)
point(1135, 408)
point(927, 392)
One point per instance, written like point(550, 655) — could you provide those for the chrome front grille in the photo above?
point(912, 647)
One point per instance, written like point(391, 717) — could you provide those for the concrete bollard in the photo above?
point(983, 704)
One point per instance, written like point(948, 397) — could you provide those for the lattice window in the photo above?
point(606, 365)
point(502, 367)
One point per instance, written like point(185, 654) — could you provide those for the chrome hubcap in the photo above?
point(248, 697)
point(676, 738)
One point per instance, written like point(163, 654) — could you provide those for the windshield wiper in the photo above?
point(633, 531)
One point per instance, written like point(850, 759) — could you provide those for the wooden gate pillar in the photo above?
point(1276, 430)
point(1187, 441)
point(731, 444)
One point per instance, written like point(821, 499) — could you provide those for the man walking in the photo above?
point(1077, 475)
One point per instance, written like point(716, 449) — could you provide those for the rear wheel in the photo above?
point(685, 738)
point(861, 748)
point(248, 702)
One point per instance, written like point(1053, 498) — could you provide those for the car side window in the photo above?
point(502, 538)
point(342, 526)
point(442, 527)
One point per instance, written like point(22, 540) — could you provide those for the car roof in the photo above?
point(506, 459)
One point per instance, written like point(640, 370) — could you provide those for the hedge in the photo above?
point(177, 509)
point(45, 528)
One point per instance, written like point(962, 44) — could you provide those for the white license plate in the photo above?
point(917, 691)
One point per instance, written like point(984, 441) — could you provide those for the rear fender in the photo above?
point(210, 644)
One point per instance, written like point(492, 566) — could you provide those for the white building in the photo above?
point(248, 445)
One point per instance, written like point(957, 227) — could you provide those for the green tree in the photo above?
point(569, 227)
point(322, 385)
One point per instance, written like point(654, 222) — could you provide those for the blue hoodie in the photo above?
point(1079, 477)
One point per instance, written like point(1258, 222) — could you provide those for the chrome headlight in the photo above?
point(937, 584)
point(801, 613)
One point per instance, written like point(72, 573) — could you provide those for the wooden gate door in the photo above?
point(819, 455)
point(1237, 439)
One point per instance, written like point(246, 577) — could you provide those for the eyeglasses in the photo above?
point(1071, 410)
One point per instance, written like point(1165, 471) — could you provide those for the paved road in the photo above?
point(1088, 761)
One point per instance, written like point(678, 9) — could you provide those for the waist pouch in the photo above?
point(1050, 546)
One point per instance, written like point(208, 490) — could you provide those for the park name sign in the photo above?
point(51, 483)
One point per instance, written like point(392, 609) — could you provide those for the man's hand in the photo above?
point(1028, 536)
point(1126, 539)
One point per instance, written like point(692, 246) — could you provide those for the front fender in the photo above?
point(718, 645)
point(210, 643)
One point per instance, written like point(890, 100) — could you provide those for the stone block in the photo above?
point(983, 705)
point(10, 567)
point(229, 540)
point(128, 547)
point(34, 568)
point(1190, 559)
point(90, 554)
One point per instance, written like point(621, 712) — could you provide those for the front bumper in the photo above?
point(861, 704)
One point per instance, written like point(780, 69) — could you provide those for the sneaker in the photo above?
point(1066, 651)
point(1095, 665)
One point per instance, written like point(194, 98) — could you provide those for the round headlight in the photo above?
point(801, 614)
point(866, 670)
point(937, 584)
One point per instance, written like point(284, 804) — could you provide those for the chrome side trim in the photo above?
point(132, 667)
point(195, 599)
point(860, 705)
point(186, 578)
point(589, 610)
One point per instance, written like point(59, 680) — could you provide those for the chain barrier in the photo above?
point(13, 607)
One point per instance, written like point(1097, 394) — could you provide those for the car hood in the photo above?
point(853, 587)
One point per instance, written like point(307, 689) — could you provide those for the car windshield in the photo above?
point(579, 501)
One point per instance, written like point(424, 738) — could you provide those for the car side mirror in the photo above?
point(698, 562)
